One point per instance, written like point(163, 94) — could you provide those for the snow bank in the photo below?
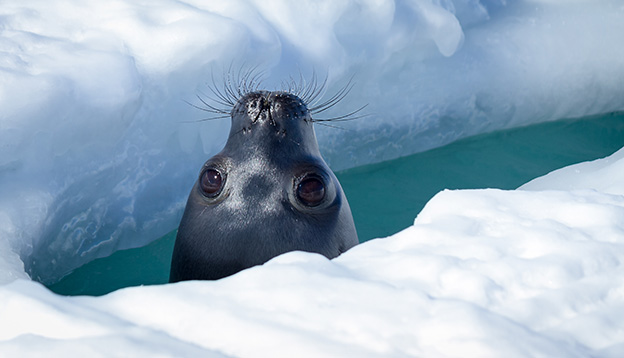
point(481, 273)
point(97, 154)
point(602, 175)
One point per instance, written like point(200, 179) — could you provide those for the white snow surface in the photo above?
point(99, 148)
point(481, 273)
point(601, 175)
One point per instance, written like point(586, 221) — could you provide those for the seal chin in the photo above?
point(266, 193)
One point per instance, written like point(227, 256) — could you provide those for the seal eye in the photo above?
point(311, 191)
point(211, 182)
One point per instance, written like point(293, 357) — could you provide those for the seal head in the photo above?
point(266, 193)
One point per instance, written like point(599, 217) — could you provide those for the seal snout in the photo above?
point(272, 108)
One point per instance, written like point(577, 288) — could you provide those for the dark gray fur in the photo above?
point(257, 215)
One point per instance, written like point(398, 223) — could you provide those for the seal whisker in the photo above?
point(339, 96)
point(232, 82)
point(212, 118)
point(203, 109)
point(210, 107)
point(237, 84)
point(204, 102)
point(346, 117)
point(205, 119)
point(315, 91)
point(231, 86)
point(291, 86)
point(334, 126)
point(238, 80)
point(304, 89)
point(307, 90)
point(218, 100)
point(302, 86)
point(299, 85)
point(231, 92)
point(222, 96)
point(250, 81)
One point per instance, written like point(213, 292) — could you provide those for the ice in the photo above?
point(481, 273)
point(99, 149)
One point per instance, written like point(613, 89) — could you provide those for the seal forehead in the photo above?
point(257, 187)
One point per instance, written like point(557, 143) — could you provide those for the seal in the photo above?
point(266, 193)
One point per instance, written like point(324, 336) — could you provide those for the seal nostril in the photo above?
point(264, 104)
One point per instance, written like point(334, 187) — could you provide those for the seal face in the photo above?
point(266, 193)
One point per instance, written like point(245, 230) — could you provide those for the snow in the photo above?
point(98, 155)
point(600, 175)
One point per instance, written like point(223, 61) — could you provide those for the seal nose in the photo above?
point(265, 109)
point(287, 106)
point(258, 106)
point(264, 112)
point(265, 104)
point(262, 104)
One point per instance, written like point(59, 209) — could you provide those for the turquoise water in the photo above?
point(386, 197)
